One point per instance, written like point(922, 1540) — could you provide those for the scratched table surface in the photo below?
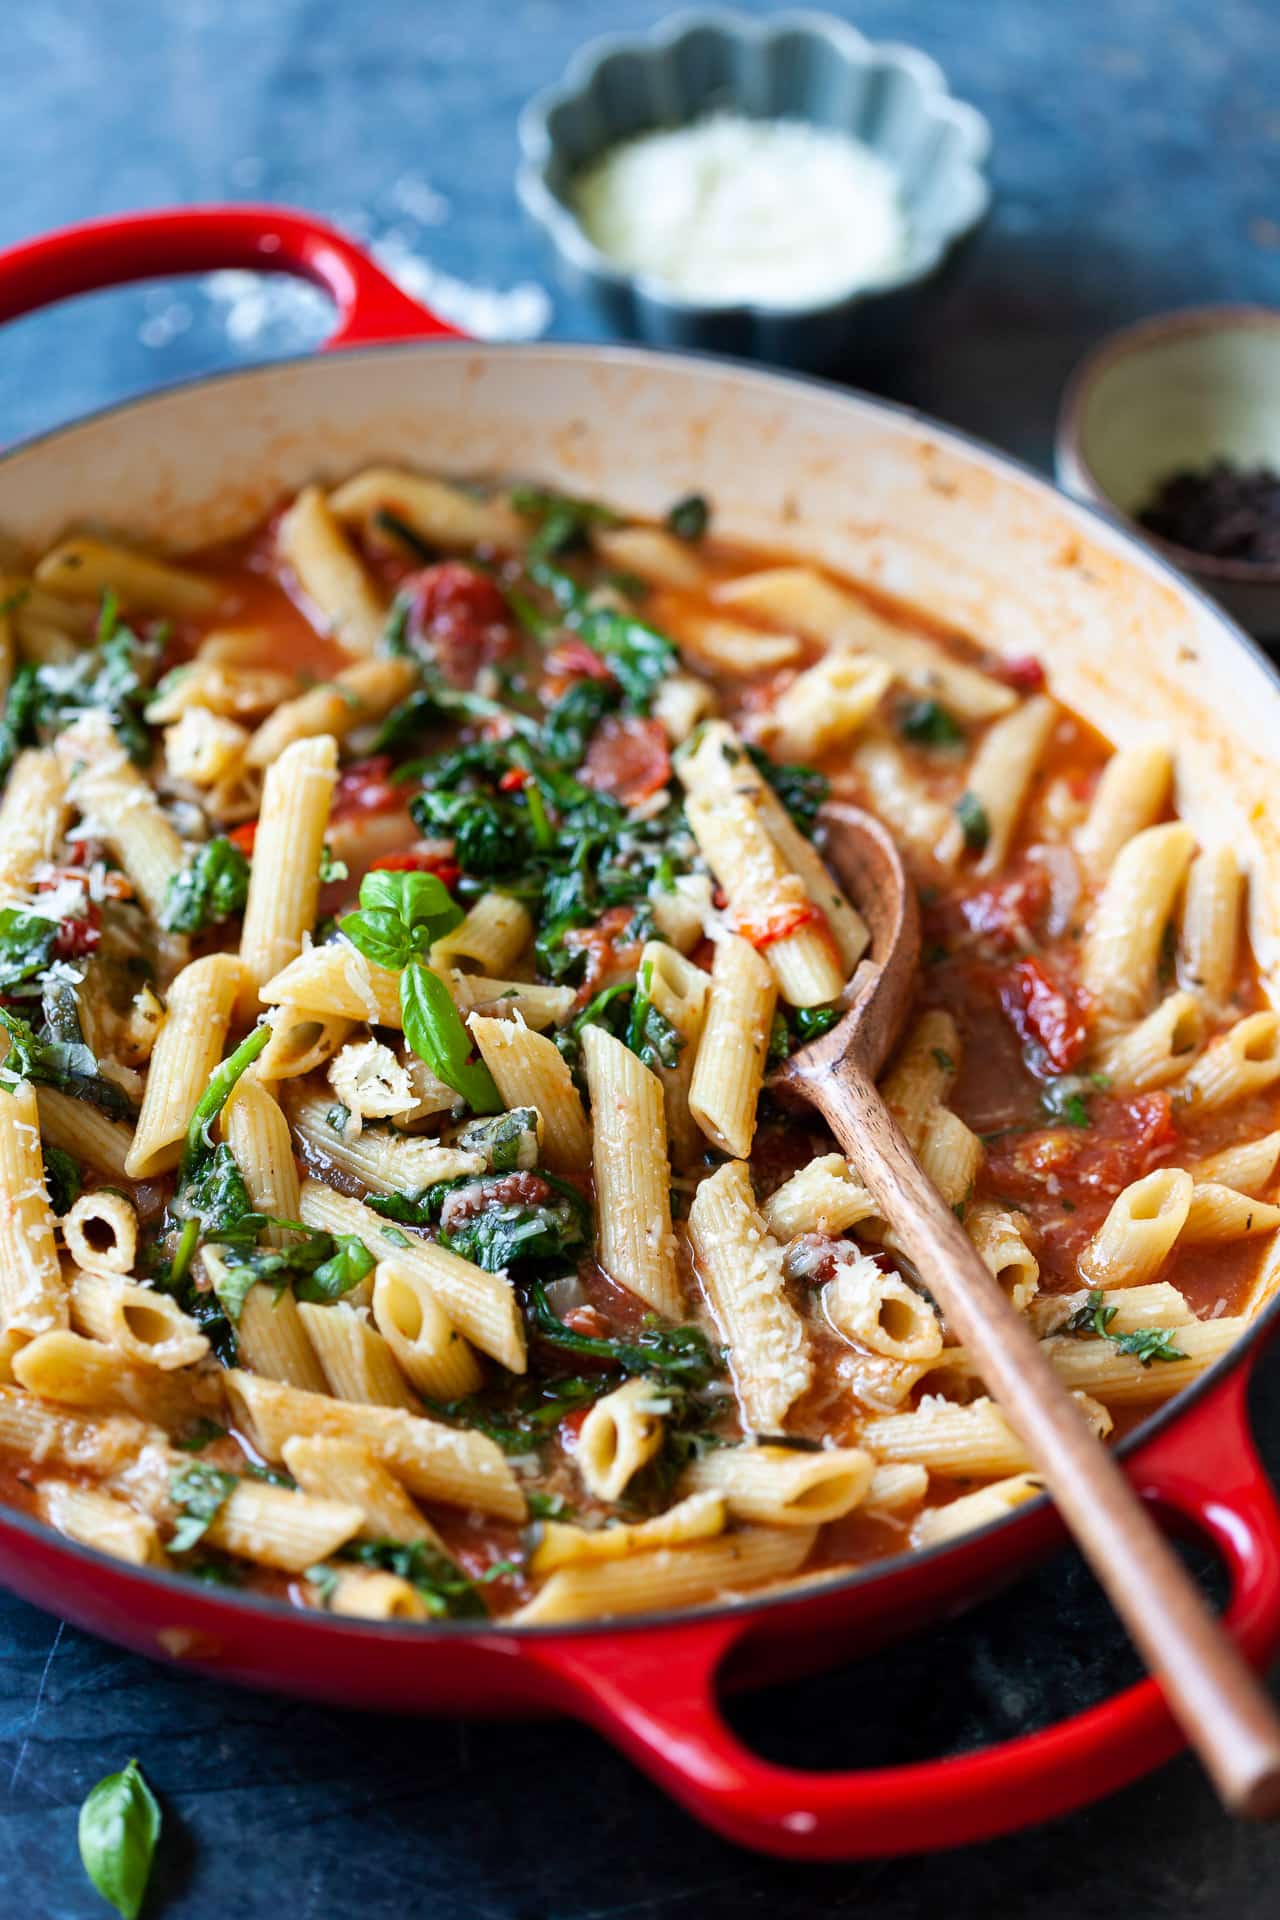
point(1136, 156)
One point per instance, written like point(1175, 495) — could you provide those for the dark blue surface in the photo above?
point(1136, 162)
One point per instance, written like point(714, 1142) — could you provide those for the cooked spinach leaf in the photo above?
point(497, 1229)
point(682, 1355)
point(801, 790)
point(213, 887)
point(67, 1064)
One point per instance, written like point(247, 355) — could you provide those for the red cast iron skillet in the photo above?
point(651, 1685)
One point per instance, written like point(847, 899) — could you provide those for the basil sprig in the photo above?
point(119, 1827)
point(401, 917)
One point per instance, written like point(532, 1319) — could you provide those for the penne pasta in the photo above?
point(728, 1069)
point(1122, 947)
point(740, 1267)
point(672, 1577)
point(776, 1487)
point(620, 1436)
point(481, 1305)
point(187, 1049)
point(87, 569)
point(530, 1072)
point(435, 1462)
point(313, 545)
point(800, 599)
point(632, 1174)
point(284, 883)
point(1131, 795)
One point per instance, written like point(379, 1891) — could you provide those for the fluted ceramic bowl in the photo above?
point(805, 67)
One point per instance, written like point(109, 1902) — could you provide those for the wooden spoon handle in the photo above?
point(1221, 1706)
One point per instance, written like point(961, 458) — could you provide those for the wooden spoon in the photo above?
point(1221, 1706)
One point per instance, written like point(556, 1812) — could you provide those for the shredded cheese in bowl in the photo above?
point(729, 210)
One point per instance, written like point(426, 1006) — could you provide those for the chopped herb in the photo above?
point(688, 519)
point(210, 890)
point(1144, 1343)
point(548, 1506)
point(201, 1435)
point(119, 1827)
point(199, 1492)
point(540, 1408)
point(325, 1581)
point(929, 725)
point(232, 1285)
point(943, 1059)
point(271, 1476)
point(222, 1083)
point(1066, 1100)
point(636, 654)
point(801, 790)
point(443, 1587)
point(212, 1201)
point(779, 1040)
point(330, 868)
point(974, 824)
point(809, 1023)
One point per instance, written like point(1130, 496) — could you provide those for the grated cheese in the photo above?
point(730, 210)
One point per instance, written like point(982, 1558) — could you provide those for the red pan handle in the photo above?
point(654, 1693)
point(152, 246)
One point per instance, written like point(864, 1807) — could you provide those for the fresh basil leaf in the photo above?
point(433, 1028)
point(119, 1826)
point(380, 935)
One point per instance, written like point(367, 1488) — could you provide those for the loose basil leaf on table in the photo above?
point(120, 1824)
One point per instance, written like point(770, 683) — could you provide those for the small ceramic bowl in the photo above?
point(793, 66)
point(1175, 393)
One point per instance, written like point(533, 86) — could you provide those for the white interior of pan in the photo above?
point(875, 493)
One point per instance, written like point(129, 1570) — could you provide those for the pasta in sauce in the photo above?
point(402, 911)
